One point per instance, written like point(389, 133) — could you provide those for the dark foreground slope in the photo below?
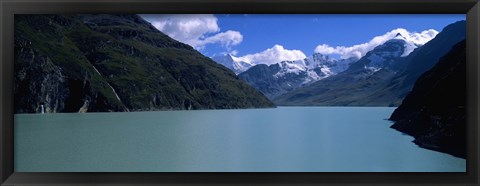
point(434, 111)
point(93, 63)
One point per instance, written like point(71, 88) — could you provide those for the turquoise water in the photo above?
point(284, 139)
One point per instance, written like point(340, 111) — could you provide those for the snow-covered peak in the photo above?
point(320, 57)
point(317, 59)
point(399, 36)
point(316, 67)
point(222, 58)
point(409, 43)
point(241, 60)
point(384, 55)
point(236, 64)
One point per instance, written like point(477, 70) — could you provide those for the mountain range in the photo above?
point(280, 78)
point(383, 77)
point(276, 79)
point(96, 63)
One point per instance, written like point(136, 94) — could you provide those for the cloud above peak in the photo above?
point(197, 30)
point(273, 55)
point(360, 50)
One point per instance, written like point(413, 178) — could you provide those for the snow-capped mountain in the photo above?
point(386, 55)
point(409, 44)
point(383, 77)
point(316, 67)
point(277, 79)
point(236, 64)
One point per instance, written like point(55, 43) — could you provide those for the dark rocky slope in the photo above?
point(434, 111)
point(95, 63)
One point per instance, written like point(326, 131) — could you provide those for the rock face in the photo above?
point(383, 77)
point(97, 63)
point(434, 111)
point(280, 78)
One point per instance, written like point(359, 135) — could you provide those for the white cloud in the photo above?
point(196, 30)
point(273, 55)
point(325, 49)
point(234, 52)
point(361, 49)
point(227, 39)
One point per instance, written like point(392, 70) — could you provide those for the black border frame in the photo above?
point(10, 7)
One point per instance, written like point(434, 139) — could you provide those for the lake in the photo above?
point(283, 139)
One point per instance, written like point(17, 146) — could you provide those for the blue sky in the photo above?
point(249, 34)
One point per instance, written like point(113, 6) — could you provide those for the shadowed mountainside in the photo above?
point(434, 111)
point(96, 63)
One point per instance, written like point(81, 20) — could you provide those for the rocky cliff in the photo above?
point(434, 111)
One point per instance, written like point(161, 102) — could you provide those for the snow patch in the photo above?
point(316, 67)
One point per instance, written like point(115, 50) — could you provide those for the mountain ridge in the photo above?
point(359, 86)
point(116, 63)
point(277, 79)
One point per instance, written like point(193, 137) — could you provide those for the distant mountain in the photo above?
point(376, 66)
point(236, 64)
point(434, 111)
point(96, 63)
point(280, 78)
point(385, 56)
point(424, 58)
point(383, 77)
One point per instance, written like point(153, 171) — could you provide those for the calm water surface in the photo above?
point(285, 139)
